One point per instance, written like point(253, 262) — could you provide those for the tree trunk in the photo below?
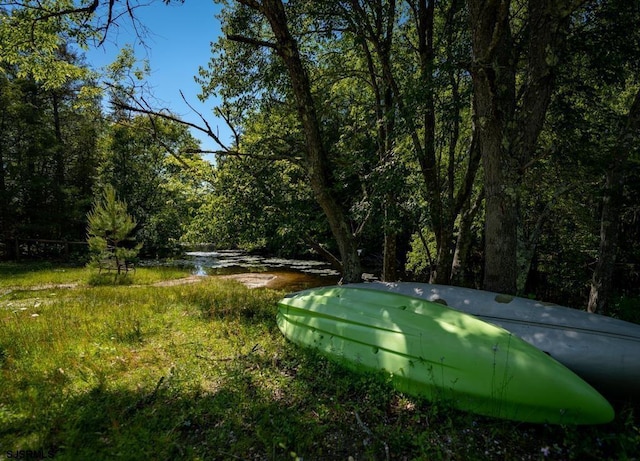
point(493, 77)
point(59, 151)
point(441, 219)
point(528, 244)
point(385, 123)
point(316, 157)
point(601, 283)
point(420, 119)
point(602, 280)
point(443, 263)
point(390, 262)
point(459, 267)
point(508, 129)
point(467, 211)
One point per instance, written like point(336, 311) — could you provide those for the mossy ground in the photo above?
point(200, 371)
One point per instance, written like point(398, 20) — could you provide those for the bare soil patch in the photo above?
point(252, 279)
point(181, 281)
point(249, 279)
point(273, 280)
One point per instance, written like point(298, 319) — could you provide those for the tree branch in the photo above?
point(90, 9)
point(142, 107)
point(154, 132)
point(335, 262)
point(227, 118)
point(208, 131)
point(252, 41)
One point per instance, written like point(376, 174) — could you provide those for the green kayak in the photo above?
point(441, 354)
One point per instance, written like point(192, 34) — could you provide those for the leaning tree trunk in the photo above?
point(601, 282)
point(317, 162)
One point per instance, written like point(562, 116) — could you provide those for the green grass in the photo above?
point(201, 372)
point(38, 273)
point(42, 275)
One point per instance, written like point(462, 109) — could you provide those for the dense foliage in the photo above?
point(59, 149)
point(48, 156)
point(491, 145)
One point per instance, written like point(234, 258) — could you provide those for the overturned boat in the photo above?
point(602, 350)
point(440, 353)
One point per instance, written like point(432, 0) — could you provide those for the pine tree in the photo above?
point(109, 231)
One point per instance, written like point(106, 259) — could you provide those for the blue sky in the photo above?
point(177, 43)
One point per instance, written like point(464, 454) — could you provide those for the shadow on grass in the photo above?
point(13, 269)
point(263, 407)
point(247, 403)
point(238, 420)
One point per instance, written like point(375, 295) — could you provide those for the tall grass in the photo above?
point(201, 372)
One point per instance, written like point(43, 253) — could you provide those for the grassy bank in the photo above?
point(201, 371)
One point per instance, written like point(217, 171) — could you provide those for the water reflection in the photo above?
point(277, 273)
point(226, 262)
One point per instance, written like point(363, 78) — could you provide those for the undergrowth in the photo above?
point(201, 372)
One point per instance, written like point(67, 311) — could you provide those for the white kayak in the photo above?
point(602, 350)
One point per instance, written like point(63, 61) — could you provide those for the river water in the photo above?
point(290, 274)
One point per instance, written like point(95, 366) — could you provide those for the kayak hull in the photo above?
point(439, 353)
point(602, 350)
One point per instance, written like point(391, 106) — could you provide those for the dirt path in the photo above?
point(47, 286)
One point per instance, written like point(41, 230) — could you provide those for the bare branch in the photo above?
point(208, 131)
point(88, 10)
point(238, 154)
point(225, 116)
point(143, 107)
point(176, 155)
point(108, 24)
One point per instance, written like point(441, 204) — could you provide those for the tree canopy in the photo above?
point(488, 144)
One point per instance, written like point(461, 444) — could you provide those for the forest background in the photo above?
point(492, 144)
